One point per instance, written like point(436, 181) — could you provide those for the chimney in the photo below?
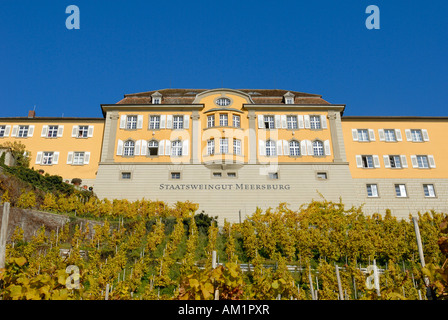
point(31, 114)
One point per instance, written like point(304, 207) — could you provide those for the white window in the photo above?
point(273, 175)
point(236, 121)
point(269, 122)
point(210, 146)
point(321, 175)
point(47, 158)
point(23, 132)
point(422, 162)
point(223, 145)
point(156, 100)
point(231, 174)
point(400, 190)
point(217, 174)
point(154, 122)
point(372, 190)
point(129, 147)
point(211, 121)
point(52, 131)
point(367, 162)
point(2, 131)
point(294, 148)
point(175, 175)
point(237, 147)
point(395, 161)
point(223, 120)
point(363, 135)
point(126, 175)
point(291, 122)
point(83, 131)
point(131, 122)
point(416, 135)
point(176, 148)
point(428, 189)
point(223, 102)
point(153, 148)
point(315, 122)
point(389, 135)
point(318, 148)
point(271, 148)
point(178, 122)
point(289, 100)
point(78, 158)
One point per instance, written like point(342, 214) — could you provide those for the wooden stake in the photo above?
point(4, 234)
point(107, 292)
point(341, 295)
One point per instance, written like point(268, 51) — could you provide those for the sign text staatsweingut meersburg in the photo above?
point(223, 186)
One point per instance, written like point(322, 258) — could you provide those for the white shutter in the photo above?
point(327, 148)
point(185, 147)
point(260, 121)
point(138, 145)
point(425, 135)
point(60, 131)
point(139, 122)
point(7, 130)
point(301, 122)
point(90, 131)
point(144, 148)
point(123, 122)
point(404, 161)
point(286, 147)
point(323, 120)
point(376, 161)
point(284, 123)
point(306, 118)
point(371, 135)
point(55, 157)
point(374, 190)
point(279, 147)
point(358, 161)
point(30, 131)
point(74, 131)
point(261, 148)
point(38, 157)
point(186, 121)
point(414, 161)
point(355, 134)
point(119, 147)
point(70, 158)
point(86, 157)
point(402, 190)
point(169, 121)
point(163, 121)
point(278, 122)
point(44, 131)
point(432, 163)
point(161, 148)
point(408, 134)
point(381, 134)
point(168, 147)
point(303, 148)
point(398, 135)
point(15, 130)
point(309, 147)
point(386, 161)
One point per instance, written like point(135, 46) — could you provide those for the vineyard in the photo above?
point(148, 250)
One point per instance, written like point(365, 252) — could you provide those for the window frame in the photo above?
point(47, 158)
point(321, 147)
point(24, 129)
point(130, 122)
point(176, 145)
point(211, 121)
point(392, 159)
point(425, 188)
point(420, 157)
point(315, 123)
point(366, 157)
point(154, 122)
point(272, 148)
point(268, 124)
point(292, 122)
point(400, 190)
point(78, 153)
point(129, 148)
point(83, 129)
point(237, 147)
point(236, 120)
point(223, 120)
point(361, 135)
point(223, 147)
point(370, 185)
point(210, 147)
point(388, 133)
point(297, 147)
point(414, 136)
point(156, 148)
point(178, 122)
point(2, 131)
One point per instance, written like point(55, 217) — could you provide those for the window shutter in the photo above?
point(261, 148)
point(381, 134)
point(425, 135)
point(414, 161)
point(163, 121)
point(358, 161)
point(138, 145)
point(404, 161)
point(300, 121)
point(355, 134)
point(371, 135)
point(90, 131)
point(398, 135)
point(15, 129)
point(30, 131)
point(55, 157)
point(309, 147)
point(74, 131)
point(402, 190)
point(306, 118)
point(44, 131)
point(7, 130)
point(186, 121)
point(408, 134)
point(286, 148)
point(284, 124)
point(123, 122)
point(139, 122)
point(386, 161)
point(167, 147)
point(144, 148)
point(323, 120)
point(278, 122)
point(432, 163)
point(327, 148)
point(169, 121)
point(303, 148)
point(86, 157)
point(374, 190)
point(119, 147)
point(260, 121)
point(376, 161)
point(38, 157)
point(60, 131)
point(279, 147)
point(70, 158)
point(185, 147)
point(161, 151)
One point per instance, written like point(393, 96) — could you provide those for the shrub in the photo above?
point(26, 200)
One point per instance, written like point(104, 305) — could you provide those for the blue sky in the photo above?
point(320, 47)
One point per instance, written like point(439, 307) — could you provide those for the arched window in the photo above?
point(318, 148)
point(270, 148)
point(153, 148)
point(294, 148)
point(129, 147)
point(176, 148)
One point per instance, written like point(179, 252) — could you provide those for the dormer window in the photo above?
point(156, 98)
point(288, 98)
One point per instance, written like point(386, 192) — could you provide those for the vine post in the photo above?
point(4, 234)
point(341, 294)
